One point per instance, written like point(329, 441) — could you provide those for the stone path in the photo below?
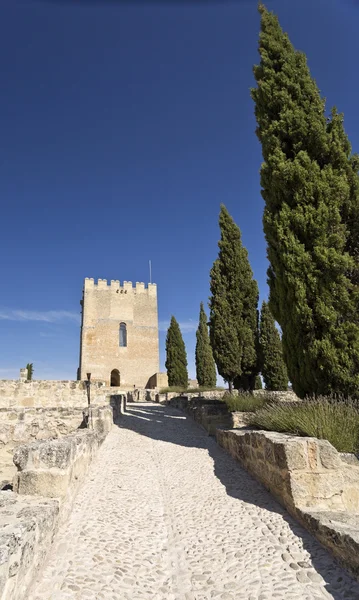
point(165, 514)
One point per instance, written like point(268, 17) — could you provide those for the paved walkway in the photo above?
point(165, 514)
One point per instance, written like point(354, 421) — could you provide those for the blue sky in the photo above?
point(124, 125)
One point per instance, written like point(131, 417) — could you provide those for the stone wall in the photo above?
point(49, 474)
point(28, 525)
point(42, 394)
point(310, 478)
point(210, 414)
point(300, 472)
point(141, 395)
point(54, 468)
point(34, 410)
point(20, 425)
point(287, 396)
point(211, 395)
point(158, 380)
point(284, 396)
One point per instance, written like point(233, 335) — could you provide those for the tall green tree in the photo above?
point(273, 367)
point(176, 357)
point(258, 384)
point(310, 187)
point(205, 365)
point(30, 371)
point(233, 308)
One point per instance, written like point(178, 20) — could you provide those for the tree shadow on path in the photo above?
point(170, 425)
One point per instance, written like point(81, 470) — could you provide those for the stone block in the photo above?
point(27, 402)
point(296, 455)
point(53, 467)
point(350, 498)
point(312, 450)
point(269, 452)
point(43, 483)
point(328, 455)
point(279, 454)
point(336, 530)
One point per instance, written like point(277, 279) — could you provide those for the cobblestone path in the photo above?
point(165, 514)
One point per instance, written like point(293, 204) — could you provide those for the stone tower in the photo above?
point(119, 333)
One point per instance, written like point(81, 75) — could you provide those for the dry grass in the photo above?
point(245, 402)
point(332, 419)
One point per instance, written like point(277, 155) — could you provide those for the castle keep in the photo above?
point(119, 333)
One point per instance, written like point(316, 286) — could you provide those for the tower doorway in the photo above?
point(115, 378)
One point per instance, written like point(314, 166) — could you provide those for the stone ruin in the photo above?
point(49, 435)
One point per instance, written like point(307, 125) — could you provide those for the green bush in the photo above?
point(245, 402)
point(329, 418)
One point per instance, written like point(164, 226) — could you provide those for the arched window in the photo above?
point(123, 335)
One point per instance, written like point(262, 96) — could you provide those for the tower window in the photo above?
point(123, 335)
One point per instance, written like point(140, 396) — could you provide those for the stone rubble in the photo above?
point(166, 514)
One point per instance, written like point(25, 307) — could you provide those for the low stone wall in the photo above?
point(212, 395)
point(21, 425)
point(27, 528)
point(210, 414)
point(53, 468)
point(309, 477)
point(50, 394)
point(35, 410)
point(301, 472)
point(142, 395)
point(48, 477)
point(285, 396)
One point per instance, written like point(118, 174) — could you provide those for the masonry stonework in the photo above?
point(127, 360)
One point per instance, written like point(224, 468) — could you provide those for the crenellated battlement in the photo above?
point(115, 285)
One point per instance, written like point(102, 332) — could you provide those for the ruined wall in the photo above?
point(36, 410)
point(43, 394)
point(48, 477)
point(287, 396)
point(28, 525)
point(54, 468)
point(104, 308)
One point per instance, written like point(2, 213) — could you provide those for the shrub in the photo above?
point(245, 401)
point(329, 418)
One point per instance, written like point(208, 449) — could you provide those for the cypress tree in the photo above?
point(205, 366)
point(176, 357)
point(30, 371)
point(273, 367)
point(310, 187)
point(233, 308)
point(258, 383)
